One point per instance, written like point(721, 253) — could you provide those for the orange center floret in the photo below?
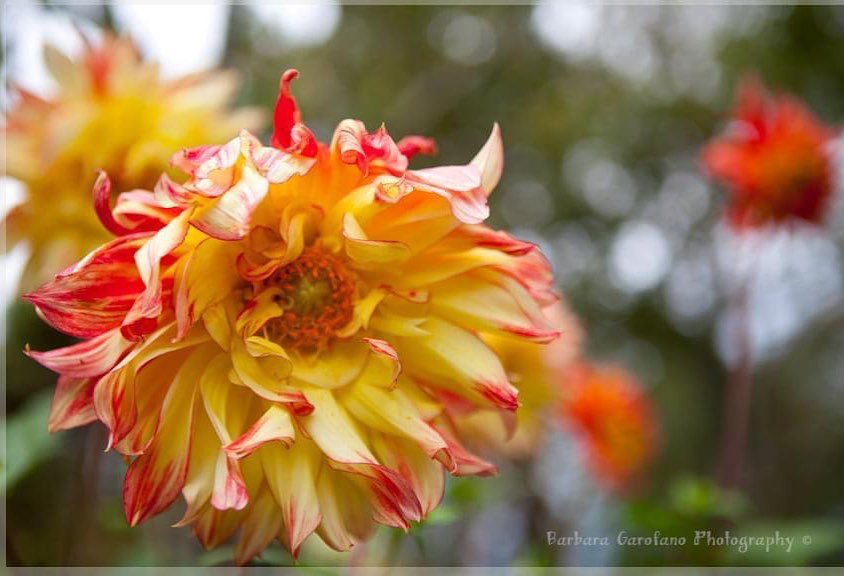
point(317, 295)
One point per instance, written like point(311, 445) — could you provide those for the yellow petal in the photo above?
point(291, 476)
point(365, 252)
point(346, 513)
point(456, 359)
point(334, 368)
point(261, 526)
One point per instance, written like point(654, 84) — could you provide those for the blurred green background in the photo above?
point(604, 111)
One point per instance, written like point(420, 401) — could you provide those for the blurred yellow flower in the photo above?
point(275, 336)
point(111, 111)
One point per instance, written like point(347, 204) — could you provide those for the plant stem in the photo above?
point(737, 397)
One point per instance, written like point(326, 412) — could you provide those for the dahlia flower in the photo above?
point(539, 372)
point(613, 419)
point(775, 160)
point(111, 111)
point(274, 335)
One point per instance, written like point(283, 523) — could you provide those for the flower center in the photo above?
point(317, 296)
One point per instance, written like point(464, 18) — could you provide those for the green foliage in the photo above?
point(26, 442)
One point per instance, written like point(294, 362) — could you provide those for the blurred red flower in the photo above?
point(775, 160)
point(610, 414)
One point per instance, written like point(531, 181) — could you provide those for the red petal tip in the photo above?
point(289, 75)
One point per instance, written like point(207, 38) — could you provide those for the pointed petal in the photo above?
point(86, 359)
point(492, 304)
point(425, 475)
point(335, 433)
point(346, 513)
point(291, 476)
point(156, 477)
point(393, 413)
point(451, 355)
point(94, 295)
point(262, 525)
point(490, 161)
point(73, 404)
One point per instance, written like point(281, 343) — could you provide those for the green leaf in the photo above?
point(26, 442)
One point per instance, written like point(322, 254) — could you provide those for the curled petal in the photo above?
point(141, 318)
point(287, 112)
point(228, 218)
point(102, 205)
point(278, 166)
point(258, 311)
point(383, 368)
point(461, 185)
point(467, 464)
point(410, 146)
point(253, 375)
point(142, 211)
point(229, 487)
point(170, 193)
point(215, 174)
point(288, 131)
point(274, 425)
point(355, 145)
point(189, 159)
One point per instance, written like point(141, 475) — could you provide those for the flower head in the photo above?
point(274, 335)
point(111, 111)
point(775, 160)
point(612, 417)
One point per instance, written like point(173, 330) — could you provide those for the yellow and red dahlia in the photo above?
point(111, 111)
point(612, 417)
point(539, 372)
point(274, 336)
point(775, 159)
